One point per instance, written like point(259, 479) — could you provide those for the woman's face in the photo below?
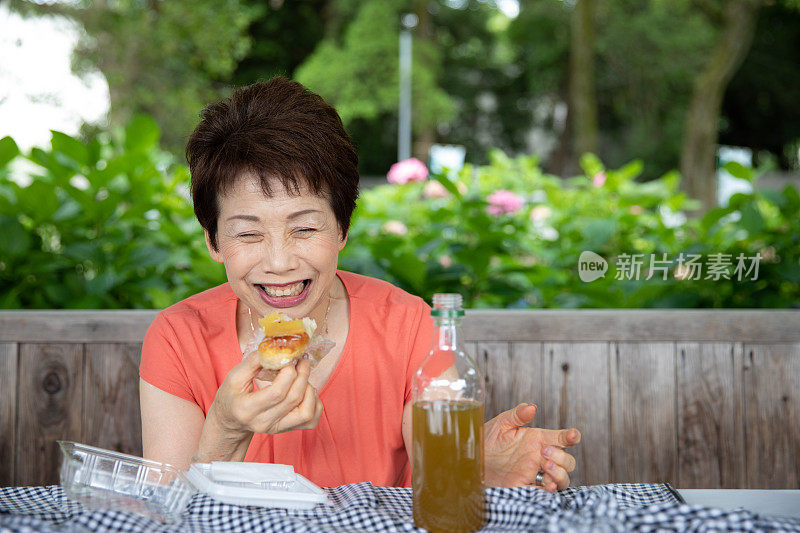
point(280, 252)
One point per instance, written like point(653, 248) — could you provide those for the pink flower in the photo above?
point(540, 212)
point(395, 227)
point(434, 189)
point(599, 179)
point(636, 210)
point(445, 260)
point(409, 170)
point(503, 201)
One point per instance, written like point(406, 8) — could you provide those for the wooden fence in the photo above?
point(700, 399)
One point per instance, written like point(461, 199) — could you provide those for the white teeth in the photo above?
point(292, 290)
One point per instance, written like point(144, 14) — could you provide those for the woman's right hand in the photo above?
point(289, 403)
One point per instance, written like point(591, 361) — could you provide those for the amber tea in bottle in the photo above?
point(447, 427)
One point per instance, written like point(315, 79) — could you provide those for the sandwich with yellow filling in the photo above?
point(285, 339)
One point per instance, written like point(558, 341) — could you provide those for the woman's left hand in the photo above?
point(514, 454)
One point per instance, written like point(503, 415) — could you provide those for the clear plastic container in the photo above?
point(102, 479)
point(265, 485)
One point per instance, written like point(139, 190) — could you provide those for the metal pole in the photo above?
point(408, 22)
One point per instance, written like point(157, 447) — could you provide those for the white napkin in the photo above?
point(251, 472)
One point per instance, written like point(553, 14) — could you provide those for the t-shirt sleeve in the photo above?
point(421, 334)
point(161, 363)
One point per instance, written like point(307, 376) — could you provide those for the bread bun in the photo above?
point(285, 340)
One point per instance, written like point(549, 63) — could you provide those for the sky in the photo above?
point(38, 92)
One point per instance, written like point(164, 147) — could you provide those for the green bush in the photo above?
point(105, 223)
point(529, 258)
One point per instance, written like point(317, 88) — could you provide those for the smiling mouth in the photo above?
point(288, 289)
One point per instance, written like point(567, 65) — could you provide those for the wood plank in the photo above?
point(111, 416)
point(710, 434)
point(603, 325)
point(75, 326)
point(493, 361)
point(527, 379)
point(9, 356)
point(576, 378)
point(50, 406)
point(669, 325)
point(643, 426)
point(772, 415)
point(514, 376)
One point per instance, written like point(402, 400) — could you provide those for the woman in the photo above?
point(274, 183)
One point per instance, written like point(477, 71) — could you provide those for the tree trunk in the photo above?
point(425, 136)
point(698, 154)
point(583, 99)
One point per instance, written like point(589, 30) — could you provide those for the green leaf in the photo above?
point(147, 256)
point(67, 210)
point(15, 241)
point(752, 220)
point(791, 200)
point(713, 216)
point(38, 200)
point(102, 283)
point(8, 150)
point(81, 251)
point(47, 160)
point(142, 133)
point(449, 185)
point(630, 171)
point(71, 147)
point(591, 164)
point(737, 170)
point(598, 231)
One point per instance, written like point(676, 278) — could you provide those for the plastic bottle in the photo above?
point(447, 426)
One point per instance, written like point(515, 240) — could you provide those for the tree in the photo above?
point(760, 106)
point(482, 73)
point(164, 58)
point(738, 20)
point(582, 97)
point(283, 36)
point(644, 56)
point(360, 75)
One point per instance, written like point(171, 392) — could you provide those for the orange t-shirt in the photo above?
point(191, 346)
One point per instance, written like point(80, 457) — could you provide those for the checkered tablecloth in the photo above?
point(363, 507)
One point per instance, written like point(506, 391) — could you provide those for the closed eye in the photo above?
point(307, 230)
point(248, 235)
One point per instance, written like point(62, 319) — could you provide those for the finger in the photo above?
point(241, 376)
point(297, 394)
point(563, 438)
point(557, 475)
point(274, 393)
point(518, 416)
point(303, 415)
point(560, 457)
point(549, 485)
point(283, 395)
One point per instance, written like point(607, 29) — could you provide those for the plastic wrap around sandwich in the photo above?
point(282, 340)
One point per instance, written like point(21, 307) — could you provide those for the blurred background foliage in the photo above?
point(107, 223)
point(105, 220)
point(481, 79)
point(101, 223)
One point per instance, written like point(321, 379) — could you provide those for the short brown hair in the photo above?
point(274, 129)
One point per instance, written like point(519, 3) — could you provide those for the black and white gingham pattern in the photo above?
point(362, 507)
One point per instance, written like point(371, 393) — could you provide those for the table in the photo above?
point(770, 502)
point(364, 507)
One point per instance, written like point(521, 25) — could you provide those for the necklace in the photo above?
point(325, 320)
